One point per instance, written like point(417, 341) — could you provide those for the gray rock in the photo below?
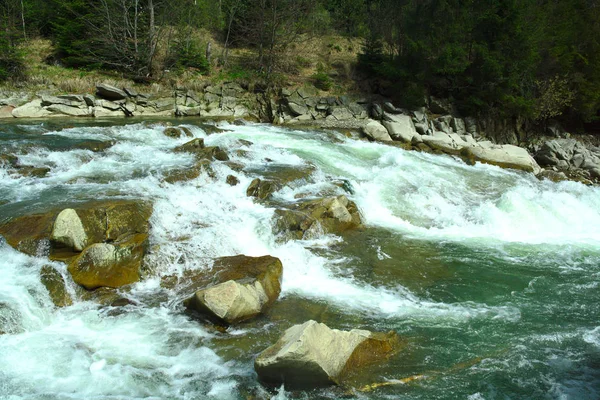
point(71, 111)
point(243, 287)
point(307, 91)
point(341, 113)
point(458, 125)
point(375, 131)
point(33, 109)
point(400, 127)
point(109, 92)
point(90, 100)
point(471, 125)
point(376, 111)
point(109, 105)
point(66, 100)
point(390, 108)
point(297, 109)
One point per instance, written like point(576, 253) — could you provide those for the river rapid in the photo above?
point(490, 277)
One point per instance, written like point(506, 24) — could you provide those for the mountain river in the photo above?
point(490, 276)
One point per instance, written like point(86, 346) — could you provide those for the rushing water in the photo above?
point(490, 276)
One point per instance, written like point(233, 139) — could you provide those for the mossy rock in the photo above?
point(56, 286)
point(30, 233)
point(187, 174)
point(110, 264)
point(310, 218)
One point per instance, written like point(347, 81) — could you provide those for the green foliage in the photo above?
point(189, 54)
point(322, 81)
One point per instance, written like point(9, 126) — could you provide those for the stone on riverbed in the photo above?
point(313, 217)
point(242, 287)
point(110, 264)
point(313, 355)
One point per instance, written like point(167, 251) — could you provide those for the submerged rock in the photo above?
point(242, 287)
point(56, 286)
point(313, 355)
point(262, 189)
point(310, 218)
point(177, 132)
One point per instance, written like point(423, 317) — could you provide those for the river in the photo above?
point(490, 276)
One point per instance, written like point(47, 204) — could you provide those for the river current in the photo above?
point(490, 276)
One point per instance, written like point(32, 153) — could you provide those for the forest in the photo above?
point(531, 59)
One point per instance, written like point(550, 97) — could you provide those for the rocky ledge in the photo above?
point(436, 129)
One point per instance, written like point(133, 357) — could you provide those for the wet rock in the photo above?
point(192, 146)
point(554, 176)
point(232, 180)
point(375, 131)
point(29, 234)
point(313, 355)
point(242, 288)
point(102, 221)
point(313, 217)
point(109, 92)
point(187, 174)
point(94, 145)
point(110, 264)
point(262, 189)
point(56, 286)
point(177, 132)
point(35, 172)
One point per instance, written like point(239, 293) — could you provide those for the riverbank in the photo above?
point(436, 129)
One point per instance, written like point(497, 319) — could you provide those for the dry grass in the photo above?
point(333, 55)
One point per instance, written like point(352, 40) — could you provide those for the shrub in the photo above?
point(322, 81)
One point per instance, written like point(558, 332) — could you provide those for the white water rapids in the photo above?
point(155, 351)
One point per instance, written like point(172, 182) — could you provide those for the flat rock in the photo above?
point(109, 92)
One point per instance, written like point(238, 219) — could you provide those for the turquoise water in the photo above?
point(489, 276)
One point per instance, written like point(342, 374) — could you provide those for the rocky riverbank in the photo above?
point(436, 129)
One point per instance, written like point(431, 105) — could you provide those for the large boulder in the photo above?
point(242, 287)
point(68, 230)
point(109, 92)
point(33, 109)
point(505, 156)
point(313, 355)
point(314, 217)
point(112, 264)
point(400, 127)
point(375, 131)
